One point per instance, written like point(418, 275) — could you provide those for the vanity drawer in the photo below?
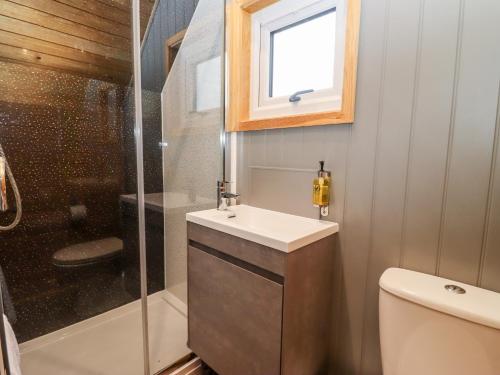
point(234, 316)
point(259, 255)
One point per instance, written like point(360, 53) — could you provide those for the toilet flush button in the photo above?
point(454, 289)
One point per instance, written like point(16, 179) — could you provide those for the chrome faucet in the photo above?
point(223, 196)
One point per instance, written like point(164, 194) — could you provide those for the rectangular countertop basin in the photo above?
point(274, 229)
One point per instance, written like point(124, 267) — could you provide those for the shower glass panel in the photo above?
point(71, 272)
point(183, 158)
point(67, 130)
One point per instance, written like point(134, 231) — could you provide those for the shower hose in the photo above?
point(17, 195)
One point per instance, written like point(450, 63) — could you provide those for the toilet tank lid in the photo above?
point(476, 305)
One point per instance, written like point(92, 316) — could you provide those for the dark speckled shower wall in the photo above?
point(69, 141)
point(63, 136)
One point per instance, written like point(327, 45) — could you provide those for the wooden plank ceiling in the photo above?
point(86, 37)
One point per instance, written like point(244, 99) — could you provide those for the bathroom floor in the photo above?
point(110, 344)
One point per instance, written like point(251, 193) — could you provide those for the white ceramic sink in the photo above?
point(270, 228)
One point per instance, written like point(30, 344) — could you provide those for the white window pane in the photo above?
point(208, 84)
point(303, 56)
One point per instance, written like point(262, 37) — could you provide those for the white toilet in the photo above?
point(435, 326)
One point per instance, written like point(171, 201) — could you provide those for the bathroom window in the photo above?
point(287, 63)
point(306, 43)
point(293, 65)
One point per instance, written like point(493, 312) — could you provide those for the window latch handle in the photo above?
point(296, 96)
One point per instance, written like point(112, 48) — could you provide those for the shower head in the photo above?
point(4, 173)
point(3, 184)
point(3, 181)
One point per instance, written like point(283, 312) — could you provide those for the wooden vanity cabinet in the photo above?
point(254, 310)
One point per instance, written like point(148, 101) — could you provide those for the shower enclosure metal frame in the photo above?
point(138, 132)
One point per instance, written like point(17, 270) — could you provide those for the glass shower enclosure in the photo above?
point(111, 122)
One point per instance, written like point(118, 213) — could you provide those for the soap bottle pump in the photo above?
point(321, 190)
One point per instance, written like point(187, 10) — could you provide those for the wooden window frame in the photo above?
point(239, 23)
point(172, 43)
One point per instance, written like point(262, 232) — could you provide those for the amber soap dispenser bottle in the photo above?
point(321, 190)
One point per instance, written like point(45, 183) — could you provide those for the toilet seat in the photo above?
point(87, 253)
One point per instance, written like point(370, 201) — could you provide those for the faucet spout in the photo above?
point(223, 196)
